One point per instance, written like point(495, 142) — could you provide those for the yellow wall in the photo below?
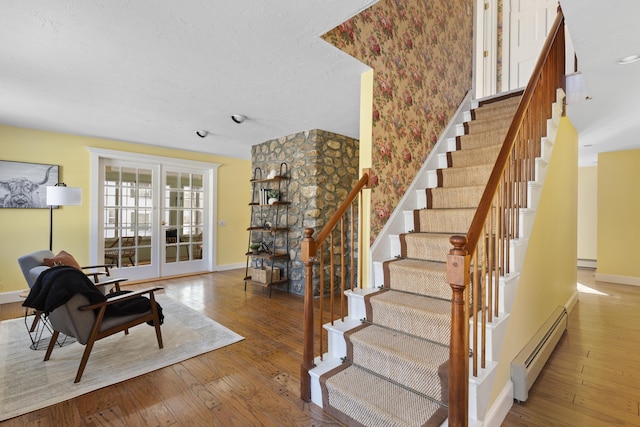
point(588, 213)
point(548, 277)
point(27, 230)
point(618, 224)
point(366, 111)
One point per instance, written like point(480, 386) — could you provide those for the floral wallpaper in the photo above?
point(421, 53)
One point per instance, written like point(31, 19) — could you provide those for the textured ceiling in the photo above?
point(153, 72)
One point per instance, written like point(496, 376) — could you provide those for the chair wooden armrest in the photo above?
point(115, 282)
point(97, 274)
point(105, 266)
point(120, 298)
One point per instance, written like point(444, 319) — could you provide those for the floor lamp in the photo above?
point(61, 195)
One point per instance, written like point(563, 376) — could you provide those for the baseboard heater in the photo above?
point(527, 365)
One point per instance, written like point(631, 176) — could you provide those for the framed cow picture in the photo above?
point(23, 185)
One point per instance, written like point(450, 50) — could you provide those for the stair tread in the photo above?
point(474, 156)
point(418, 276)
point(452, 221)
point(418, 315)
point(372, 401)
point(464, 175)
point(422, 246)
point(408, 360)
point(467, 196)
point(422, 264)
point(419, 302)
point(401, 345)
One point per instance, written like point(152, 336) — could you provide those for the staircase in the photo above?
point(398, 356)
point(434, 330)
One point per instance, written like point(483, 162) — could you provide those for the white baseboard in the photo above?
point(587, 263)
point(11, 296)
point(500, 407)
point(573, 300)
point(614, 278)
point(229, 267)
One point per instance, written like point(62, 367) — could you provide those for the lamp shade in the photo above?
point(64, 196)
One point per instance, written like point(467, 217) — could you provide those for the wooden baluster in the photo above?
point(342, 267)
point(332, 279)
point(321, 286)
point(352, 238)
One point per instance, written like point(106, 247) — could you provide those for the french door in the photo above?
point(182, 220)
point(153, 217)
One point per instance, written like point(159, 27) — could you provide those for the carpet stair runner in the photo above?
point(396, 369)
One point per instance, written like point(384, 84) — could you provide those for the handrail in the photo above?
point(475, 229)
point(351, 197)
point(477, 260)
point(309, 251)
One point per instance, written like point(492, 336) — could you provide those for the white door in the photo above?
point(128, 195)
point(486, 48)
point(529, 24)
point(183, 238)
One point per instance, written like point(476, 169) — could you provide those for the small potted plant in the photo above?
point(254, 246)
point(273, 196)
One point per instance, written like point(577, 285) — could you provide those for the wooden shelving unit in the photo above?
point(269, 219)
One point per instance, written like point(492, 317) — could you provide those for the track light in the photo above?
point(628, 59)
point(238, 118)
point(202, 133)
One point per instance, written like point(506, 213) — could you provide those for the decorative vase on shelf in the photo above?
point(273, 196)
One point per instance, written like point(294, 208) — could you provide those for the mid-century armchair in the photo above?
point(34, 263)
point(76, 308)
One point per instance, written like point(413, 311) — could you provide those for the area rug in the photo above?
point(27, 383)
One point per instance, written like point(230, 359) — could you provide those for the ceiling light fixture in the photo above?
point(202, 133)
point(628, 59)
point(238, 118)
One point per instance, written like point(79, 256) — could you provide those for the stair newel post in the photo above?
point(308, 253)
point(458, 263)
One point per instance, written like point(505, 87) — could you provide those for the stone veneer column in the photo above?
point(323, 168)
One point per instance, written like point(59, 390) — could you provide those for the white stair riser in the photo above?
point(480, 391)
point(394, 242)
point(325, 365)
point(421, 198)
point(378, 272)
point(495, 333)
point(408, 221)
point(507, 291)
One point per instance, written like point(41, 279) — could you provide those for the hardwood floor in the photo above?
point(593, 376)
point(255, 382)
point(592, 379)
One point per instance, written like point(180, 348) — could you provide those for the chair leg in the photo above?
point(156, 319)
point(36, 319)
point(85, 359)
point(158, 333)
point(52, 343)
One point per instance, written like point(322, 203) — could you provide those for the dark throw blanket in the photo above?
point(57, 285)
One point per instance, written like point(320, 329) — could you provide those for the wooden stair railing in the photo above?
point(496, 223)
point(313, 250)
